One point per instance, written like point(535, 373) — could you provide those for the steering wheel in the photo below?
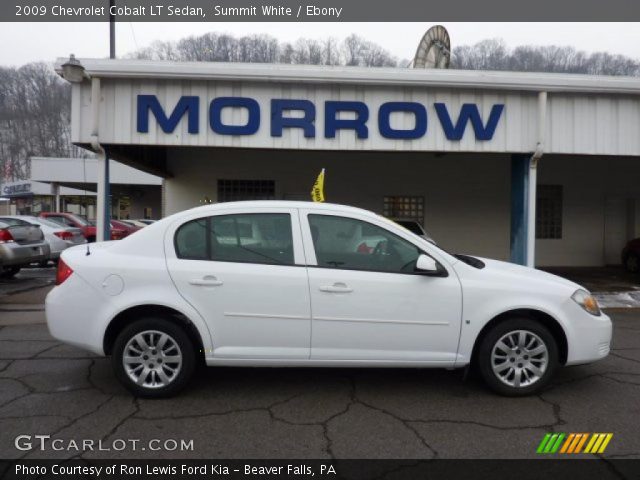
point(378, 250)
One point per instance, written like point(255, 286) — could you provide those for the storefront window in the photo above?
point(549, 212)
point(236, 190)
point(404, 207)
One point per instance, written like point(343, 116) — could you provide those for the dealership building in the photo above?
point(535, 168)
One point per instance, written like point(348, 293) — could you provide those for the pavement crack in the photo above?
point(114, 429)
point(77, 419)
point(556, 409)
point(403, 421)
point(36, 356)
point(9, 363)
point(623, 357)
point(89, 378)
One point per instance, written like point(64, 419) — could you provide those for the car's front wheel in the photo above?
point(517, 357)
point(153, 357)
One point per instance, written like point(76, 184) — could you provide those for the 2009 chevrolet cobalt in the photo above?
point(300, 284)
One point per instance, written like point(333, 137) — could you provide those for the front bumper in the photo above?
point(589, 337)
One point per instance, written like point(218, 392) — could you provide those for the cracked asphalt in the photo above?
point(47, 388)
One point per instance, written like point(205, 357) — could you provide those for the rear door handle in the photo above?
point(207, 281)
point(336, 288)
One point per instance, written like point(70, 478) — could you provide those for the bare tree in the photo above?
point(493, 54)
point(34, 117)
point(213, 47)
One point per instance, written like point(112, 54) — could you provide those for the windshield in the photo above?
point(49, 223)
point(80, 219)
point(413, 227)
point(15, 222)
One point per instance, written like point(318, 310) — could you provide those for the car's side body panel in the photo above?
point(381, 316)
point(252, 310)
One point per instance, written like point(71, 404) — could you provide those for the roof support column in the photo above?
point(520, 199)
point(103, 198)
point(524, 179)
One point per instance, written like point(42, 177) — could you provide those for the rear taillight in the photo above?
point(5, 236)
point(64, 272)
point(64, 235)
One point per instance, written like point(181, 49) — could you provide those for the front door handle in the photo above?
point(338, 287)
point(206, 281)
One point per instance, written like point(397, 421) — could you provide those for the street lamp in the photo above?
point(72, 70)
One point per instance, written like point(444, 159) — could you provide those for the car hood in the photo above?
point(526, 274)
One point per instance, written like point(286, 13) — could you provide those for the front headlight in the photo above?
point(586, 301)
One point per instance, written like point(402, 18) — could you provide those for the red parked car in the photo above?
point(87, 227)
point(124, 226)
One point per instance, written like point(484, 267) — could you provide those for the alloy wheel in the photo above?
point(519, 358)
point(152, 359)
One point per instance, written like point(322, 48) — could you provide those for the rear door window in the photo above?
point(245, 238)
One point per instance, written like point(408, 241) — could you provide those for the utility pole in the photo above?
point(112, 30)
point(105, 177)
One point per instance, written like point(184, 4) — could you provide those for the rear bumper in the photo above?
point(76, 326)
point(14, 254)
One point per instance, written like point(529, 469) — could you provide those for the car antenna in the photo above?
point(88, 250)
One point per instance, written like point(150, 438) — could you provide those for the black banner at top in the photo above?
point(317, 10)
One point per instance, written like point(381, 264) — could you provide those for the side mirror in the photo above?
point(428, 266)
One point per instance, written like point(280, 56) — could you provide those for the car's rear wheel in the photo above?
point(153, 357)
point(632, 263)
point(9, 272)
point(517, 357)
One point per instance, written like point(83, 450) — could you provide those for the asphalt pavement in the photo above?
point(47, 388)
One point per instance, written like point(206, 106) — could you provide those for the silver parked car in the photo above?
point(21, 244)
point(58, 237)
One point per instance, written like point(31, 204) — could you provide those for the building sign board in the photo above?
point(301, 114)
point(17, 188)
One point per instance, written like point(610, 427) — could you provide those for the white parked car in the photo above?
point(294, 289)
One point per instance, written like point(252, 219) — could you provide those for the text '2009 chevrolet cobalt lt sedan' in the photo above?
point(274, 283)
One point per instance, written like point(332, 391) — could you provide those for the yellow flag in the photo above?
point(317, 192)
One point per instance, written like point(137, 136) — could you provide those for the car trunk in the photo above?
point(77, 235)
point(25, 234)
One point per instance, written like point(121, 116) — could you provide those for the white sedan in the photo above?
point(272, 283)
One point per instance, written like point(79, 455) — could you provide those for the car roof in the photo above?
point(320, 206)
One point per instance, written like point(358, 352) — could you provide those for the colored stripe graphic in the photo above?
point(573, 443)
point(556, 446)
point(567, 442)
point(598, 442)
point(606, 442)
point(583, 439)
point(543, 443)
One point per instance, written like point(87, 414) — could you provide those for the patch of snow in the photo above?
point(618, 299)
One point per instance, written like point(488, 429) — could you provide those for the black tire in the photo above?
point(9, 272)
point(632, 263)
point(177, 381)
point(498, 332)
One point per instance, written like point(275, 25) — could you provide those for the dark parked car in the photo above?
point(631, 255)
